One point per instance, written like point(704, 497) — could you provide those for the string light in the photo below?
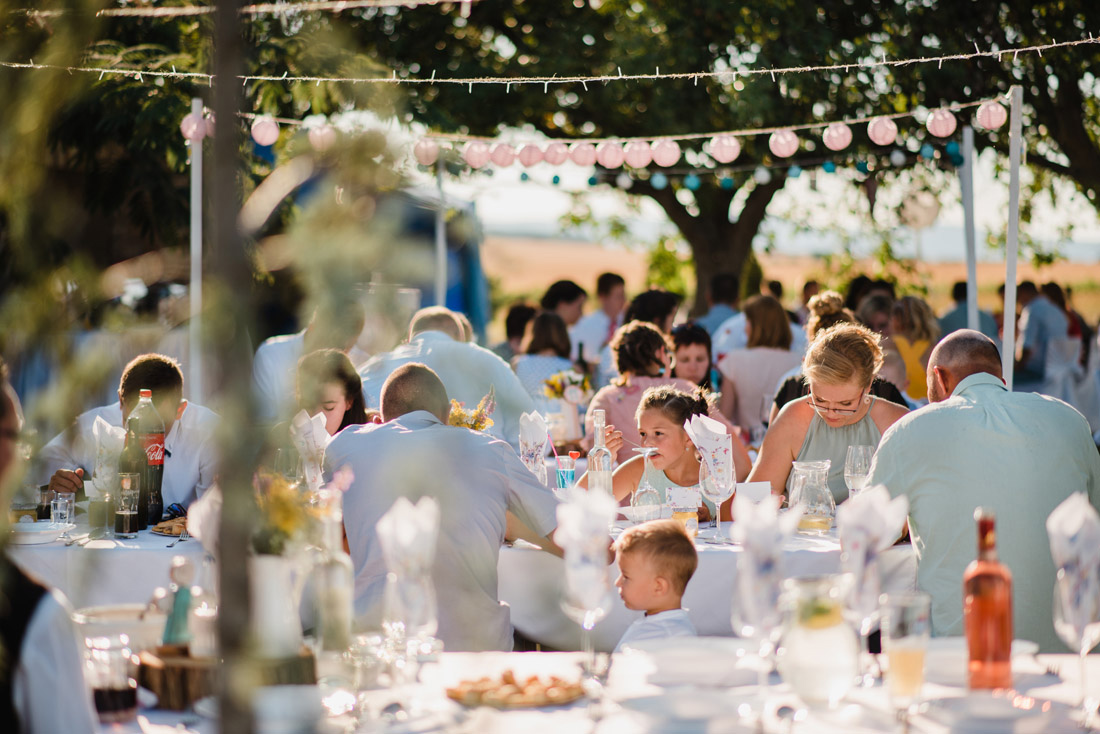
point(186, 11)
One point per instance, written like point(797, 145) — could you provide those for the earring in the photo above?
point(867, 399)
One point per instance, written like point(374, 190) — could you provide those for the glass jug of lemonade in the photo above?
point(810, 489)
point(818, 654)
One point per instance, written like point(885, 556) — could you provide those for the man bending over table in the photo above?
point(477, 480)
point(190, 456)
point(979, 445)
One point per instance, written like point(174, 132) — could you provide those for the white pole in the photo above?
point(440, 241)
point(194, 326)
point(1015, 146)
point(966, 178)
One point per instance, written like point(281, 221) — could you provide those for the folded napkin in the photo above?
point(310, 438)
point(1074, 532)
point(407, 534)
point(868, 524)
point(715, 447)
point(533, 434)
point(583, 521)
point(109, 442)
point(204, 517)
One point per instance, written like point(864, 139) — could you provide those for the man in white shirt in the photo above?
point(477, 481)
point(1041, 322)
point(979, 445)
point(42, 688)
point(595, 330)
point(190, 448)
point(274, 368)
point(467, 370)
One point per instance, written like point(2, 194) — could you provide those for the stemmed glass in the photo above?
point(857, 468)
point(862, 608)
point(1077, 622)
point(646, 500)
point(586, 601)
point(756, 616)
point(717, 492)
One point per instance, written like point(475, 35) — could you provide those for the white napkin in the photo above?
point(715, 447)
point(583, 521)
point(532, 444)
point(868, 524)
point(109, 442)
point(310, 438)
point(204, 516)
point(407, 534)
point(760, 527)
point(1074, 532)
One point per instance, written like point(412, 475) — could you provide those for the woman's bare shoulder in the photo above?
point(885, 413)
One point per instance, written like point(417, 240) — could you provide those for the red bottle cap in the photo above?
point(146, 394)
point(574, 455)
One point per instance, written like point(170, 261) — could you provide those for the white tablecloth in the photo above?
point(530, 581)
point(105, 571)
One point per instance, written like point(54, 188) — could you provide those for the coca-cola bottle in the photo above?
point(987, 610)
point(132, 461)
point(150, 432)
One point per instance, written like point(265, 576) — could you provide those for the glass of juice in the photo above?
point(906, 627)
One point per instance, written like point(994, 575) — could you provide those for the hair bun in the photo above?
point(827, 303)
point(704, 399)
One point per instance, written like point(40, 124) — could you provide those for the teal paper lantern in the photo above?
point(794, 171)
point(828, 167)
point(658, 181)
point(692, 182)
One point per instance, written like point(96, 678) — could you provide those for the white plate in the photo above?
point(688, 704)
point(728, 646)
point(36, 533)
point(947, 658)
point(1006, 711)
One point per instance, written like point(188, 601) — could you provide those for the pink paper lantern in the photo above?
point(556, 154)
point(476, 154)
point(322, 137)
point(666, 152)
point(837, 136)
point(783, 143)
point(609, 155)
point(583, 154)
point(426, 151)
point(882, 131)
point(502, 155)
point(941, 123)
point(637, 154)
point(725, 148)
point(265, 131)
point(193, 127)
point(991, 115)
point(530, 155)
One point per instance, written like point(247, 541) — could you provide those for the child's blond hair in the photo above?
point(667, 546)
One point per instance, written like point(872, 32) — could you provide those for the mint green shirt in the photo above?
point(1020, 454)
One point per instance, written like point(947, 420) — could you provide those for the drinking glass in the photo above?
point(857, 468)
point(1077, 622)
point(587, 599)
point(110, 667)
point(567, 468)
point(126, 511)
point(61, 511)
point(906, 627)
point(646, 500)
point(717, 492)
point(755, 616)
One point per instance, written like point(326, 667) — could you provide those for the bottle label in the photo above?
point(154, 448)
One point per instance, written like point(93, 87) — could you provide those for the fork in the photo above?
point(183, 536)
point(1054, 669)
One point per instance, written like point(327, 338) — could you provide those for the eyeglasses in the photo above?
point(838, 411)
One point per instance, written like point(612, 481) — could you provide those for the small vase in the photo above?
point(276, 624)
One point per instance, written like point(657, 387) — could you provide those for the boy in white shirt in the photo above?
point(656, 561)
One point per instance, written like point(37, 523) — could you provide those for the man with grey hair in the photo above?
point(977, 444)
point(436, 339)
point(480, 484)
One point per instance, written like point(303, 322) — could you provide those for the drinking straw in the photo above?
point(557, 458)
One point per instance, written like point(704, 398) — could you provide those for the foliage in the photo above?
point(667, 267)
point(477, 419)
point(284, 515)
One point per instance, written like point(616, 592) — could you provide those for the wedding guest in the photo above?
point(468, 371)
point(956, 317)
point(656, 561)
point(914, 330)
point(329, 384)
point(276, 361)
point(722, 297)
point(875, 312)
point(979, 445)
point(566, 299)
point(546, 353)
point(467, 328)
point(839, 411)
point(750, 375)
point(775, 289)
point(809, 289)
point(190, 443)
point(476, 480)
point(656, 307)
point(42, 687)
point(1040, 323)
point(515, 327)
point(693, 361)
point(733, 334)
point(594, 330)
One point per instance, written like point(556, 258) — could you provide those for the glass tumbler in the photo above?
point(126, 510)
point(111, 669)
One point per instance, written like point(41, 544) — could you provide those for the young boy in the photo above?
point(656, 561)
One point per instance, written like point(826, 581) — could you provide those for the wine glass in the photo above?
point(857, 468)
point(1077, 622)
point(717, 491)
point(756, 616)
point(587, 599)
point(646, 500)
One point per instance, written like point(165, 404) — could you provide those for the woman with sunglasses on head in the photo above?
point(839, 412)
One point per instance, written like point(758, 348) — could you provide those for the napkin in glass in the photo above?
point(715, 447)
point(868, 524)
point(583, 521)
point(109, 442)
point(408, 534)
point(762, 531)
point(1074, 531)
point(310, 438)
point(532, 444)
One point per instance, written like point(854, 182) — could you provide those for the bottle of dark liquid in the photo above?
point(150, 431)
point(987, 610)
point(582, 365)
point(132, 461)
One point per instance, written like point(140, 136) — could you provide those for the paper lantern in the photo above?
point(624, 181)
point(609, 155)
point(666, 152)
point(426, 151)
point(992, 115)
point(837, 136)
point(692, 182)
point(898, 158)
point(725, 148)
point(762, 175)
point(476, 154)
point(193, 127)
point(503, 155)
point(658, 181)
point(265, 131)
point(637, 154)
point(783, 143)
point(583, 154)
point(556, 154)
point(941, 123)
point(530, 155)
point(322, 137)
point(882, 131)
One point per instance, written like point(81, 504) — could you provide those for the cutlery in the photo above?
point(183, 536)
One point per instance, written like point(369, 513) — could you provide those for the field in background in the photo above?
point(523, 267)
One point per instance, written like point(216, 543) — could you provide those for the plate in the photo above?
point(36, 533)
point(946, 660)
point(1001, 711)
point(706, 662)
point(628, 513)
point(688, 704)
point(165, 535)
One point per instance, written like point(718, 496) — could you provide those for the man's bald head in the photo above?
point(959, 355)
point(413, 387)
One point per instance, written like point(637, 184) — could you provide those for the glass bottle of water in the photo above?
point(599, 457)
point(333, 577)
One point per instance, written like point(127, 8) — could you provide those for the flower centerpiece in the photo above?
point(477, 419)
point(571, 390)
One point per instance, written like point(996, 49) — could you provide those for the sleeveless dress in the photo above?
point(825, 442)
point(662, 484)
point(910, 354)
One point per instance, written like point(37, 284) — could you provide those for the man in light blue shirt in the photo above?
point(722, 297)
point(979, 445)
point(1040, 322)
point(956, 318)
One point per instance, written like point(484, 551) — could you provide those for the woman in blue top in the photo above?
point(545, 353)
